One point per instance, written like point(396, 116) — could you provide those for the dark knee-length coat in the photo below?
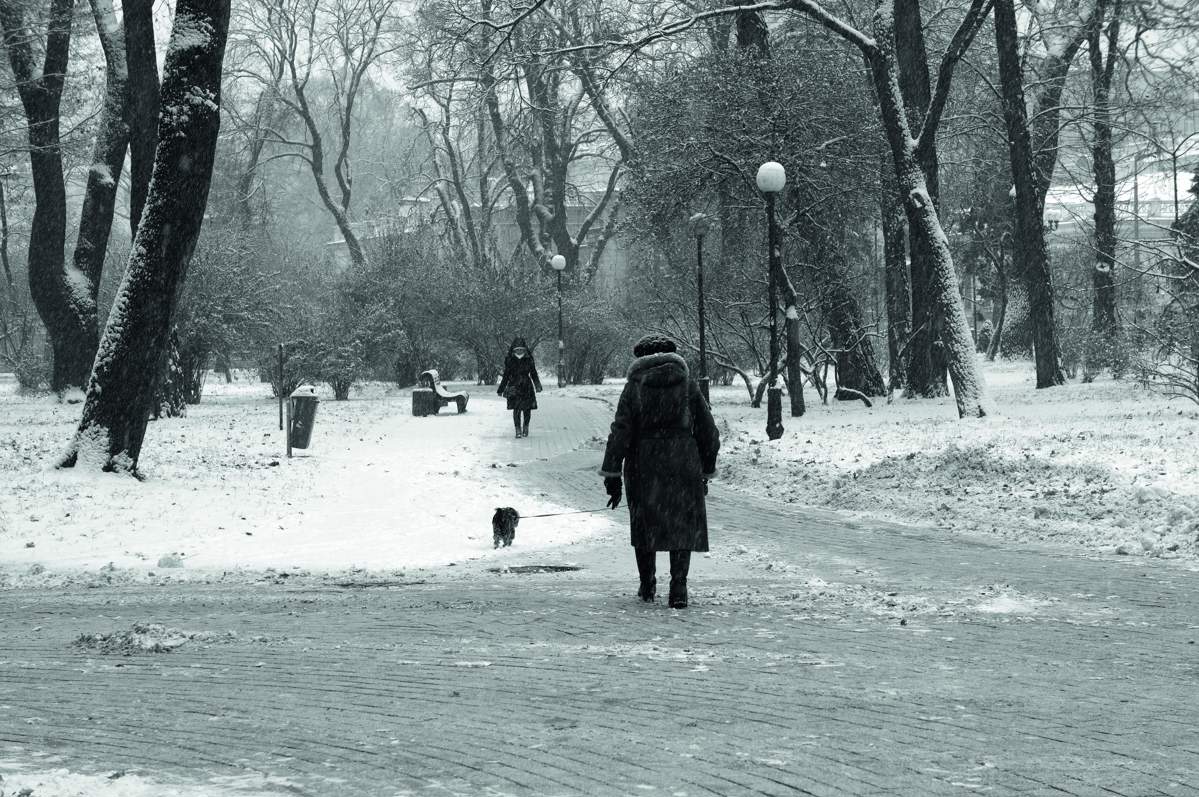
point(667, 442)
point(520, 383)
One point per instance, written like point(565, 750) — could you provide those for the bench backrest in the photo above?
point(430, 378)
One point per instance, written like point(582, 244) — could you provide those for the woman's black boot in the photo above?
point(680, 563)
point(646, 566)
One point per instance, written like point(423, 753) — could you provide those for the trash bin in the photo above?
point(424, 402)
point(303, 415)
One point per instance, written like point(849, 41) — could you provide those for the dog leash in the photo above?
point(573, 512)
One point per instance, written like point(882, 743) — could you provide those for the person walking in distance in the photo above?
point(520, 385)
point(666, 441)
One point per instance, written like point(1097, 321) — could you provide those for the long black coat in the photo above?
point(667, 441)
point(520, 383)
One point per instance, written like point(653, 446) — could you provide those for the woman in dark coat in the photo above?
point(520, 385)
point(666, 440)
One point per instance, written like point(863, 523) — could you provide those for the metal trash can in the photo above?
point(424, 402)
point(303, 404)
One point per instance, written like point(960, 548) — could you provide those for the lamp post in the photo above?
point(699, 226)
point(771, 178)
point(558, 262)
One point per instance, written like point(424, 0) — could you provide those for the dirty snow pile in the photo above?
point(19, 780)
point(1104, 467)
point(378, 490)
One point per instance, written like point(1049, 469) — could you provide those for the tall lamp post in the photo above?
point(699, 226)
point(771, 178)
point(559, 264)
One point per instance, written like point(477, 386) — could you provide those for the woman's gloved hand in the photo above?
point(614, 487)
point(705, 486)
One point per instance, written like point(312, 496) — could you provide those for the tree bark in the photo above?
point(1030, 251)
point(925, 360)
point(1103, 275)
point(922, 216)
point(899, 301)
point(130, 361)
point(143, 102)
point(108, 160)
point(1001, 316)
point(856, 367)
point(59, 291)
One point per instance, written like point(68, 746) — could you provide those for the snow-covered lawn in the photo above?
point(379, 490)
point(1101, 467)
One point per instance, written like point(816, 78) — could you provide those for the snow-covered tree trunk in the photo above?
point(925, 361)
point(108, 160)
point(922, 216)
point(1030, 249)
point(130, 361)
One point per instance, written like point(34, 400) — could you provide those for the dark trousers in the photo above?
point(680, 563)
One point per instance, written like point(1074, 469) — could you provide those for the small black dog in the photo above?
point(503, 526)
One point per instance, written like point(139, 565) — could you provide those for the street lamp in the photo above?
point(771, 178)
point(559, 264)
point(699, 226)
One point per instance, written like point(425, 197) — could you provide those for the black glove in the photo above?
point(499, 391)
point(613, 485)
point(705, 486)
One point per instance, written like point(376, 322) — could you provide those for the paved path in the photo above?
point(820, 656)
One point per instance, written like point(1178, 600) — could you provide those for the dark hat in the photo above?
point(654, 344)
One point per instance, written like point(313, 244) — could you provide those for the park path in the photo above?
point(821, 655)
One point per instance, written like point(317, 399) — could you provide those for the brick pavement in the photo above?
point(820, 656)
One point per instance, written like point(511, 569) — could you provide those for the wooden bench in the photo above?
point(431, 396)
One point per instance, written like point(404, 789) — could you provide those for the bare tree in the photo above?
point(325, 51)
point(130, 360)
point(65, 294)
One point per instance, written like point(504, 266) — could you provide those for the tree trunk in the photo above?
point(143, 102)
point(856, 368)
point(60, 292)
point(130, 361)
point(1103, 275)
point(899, 300)
point(1031, 254)
point(108, 160)
point(171, 398)
point(925, 359)
point(922, 216)
point(1001, 315)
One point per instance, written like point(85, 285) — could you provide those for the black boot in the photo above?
point(646, 565)
point(680, 563)
point(524, 430)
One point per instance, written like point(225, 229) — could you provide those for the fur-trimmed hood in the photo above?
point(659, 370)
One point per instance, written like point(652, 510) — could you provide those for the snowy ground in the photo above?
point(379, 490)
point(1101, 467)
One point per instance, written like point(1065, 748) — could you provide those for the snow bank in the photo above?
point(21, 778)
point(1102, 467)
